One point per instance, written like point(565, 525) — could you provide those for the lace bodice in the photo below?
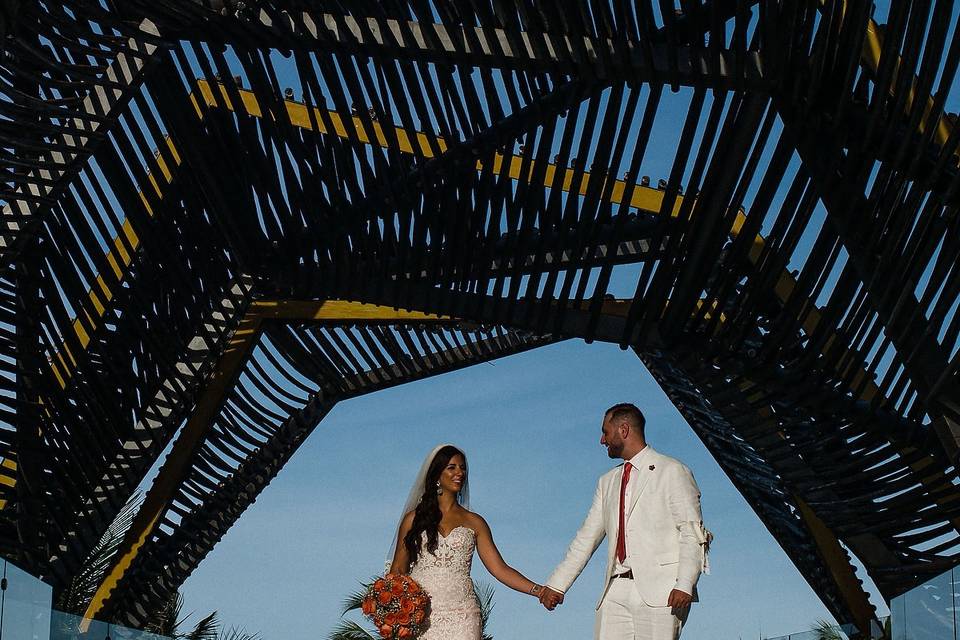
point(445, 576)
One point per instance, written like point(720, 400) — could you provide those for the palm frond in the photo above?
point(206, 629)
point(349, 630)
point(165, 620)
point(355, 599)
point(827, 631)
point(484, 593)
point(78, 594)
point(238, 633)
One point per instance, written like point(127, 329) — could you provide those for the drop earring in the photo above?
point(439, 489)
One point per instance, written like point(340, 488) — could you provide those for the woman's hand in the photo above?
point(550, 598)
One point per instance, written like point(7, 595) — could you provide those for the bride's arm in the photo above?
point(401, 557)
point(493, 561)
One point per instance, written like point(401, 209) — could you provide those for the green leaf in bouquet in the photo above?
point(354, 601)
point(349, 630)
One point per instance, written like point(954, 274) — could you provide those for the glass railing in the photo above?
point(26, 613)
point(64, 626)
point(24, 605)
point(928, 612)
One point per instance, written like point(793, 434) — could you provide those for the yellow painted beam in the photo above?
point(827, 543)
point(336, 311)
point(644, 198)
point(118, 259)
point(8, 477)
point(177, 463)
point(870, 57)
point(346, 311)
point(837, 562)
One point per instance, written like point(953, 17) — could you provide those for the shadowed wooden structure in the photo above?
point(222, 217)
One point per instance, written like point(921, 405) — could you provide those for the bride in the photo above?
point(435, 545)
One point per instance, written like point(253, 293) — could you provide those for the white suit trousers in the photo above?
point(623, 615)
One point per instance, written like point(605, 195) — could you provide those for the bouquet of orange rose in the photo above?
point(397, 605)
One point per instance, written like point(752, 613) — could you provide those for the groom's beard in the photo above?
point(614, 450)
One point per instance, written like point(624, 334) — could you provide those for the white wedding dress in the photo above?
point(445, 576)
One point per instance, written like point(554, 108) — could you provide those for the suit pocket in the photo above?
point(670, 557)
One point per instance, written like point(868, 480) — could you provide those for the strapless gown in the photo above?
point(445, 576)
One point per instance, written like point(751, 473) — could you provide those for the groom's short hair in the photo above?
point(630, 413)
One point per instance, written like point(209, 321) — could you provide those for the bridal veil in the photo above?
point(416, 492)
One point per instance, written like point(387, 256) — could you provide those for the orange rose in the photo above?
point(385, 597)
point(419, 615)
point(380, 584)
point(413, 587)
point(398, 589)
point(405, 632)
point(407, 605)
point(385, 631)
point(390, 619)
point(403, 617)
point(369, 606)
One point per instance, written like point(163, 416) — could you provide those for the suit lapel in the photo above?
point(642, 476)
point(614, 501)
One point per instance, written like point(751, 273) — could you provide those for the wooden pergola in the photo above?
point(220, 218)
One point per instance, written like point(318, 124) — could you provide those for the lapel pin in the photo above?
point(652, 467)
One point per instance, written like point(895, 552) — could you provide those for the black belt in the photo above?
point(628, 575)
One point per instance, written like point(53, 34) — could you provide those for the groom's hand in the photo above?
point(679, 599)
point(550, 598)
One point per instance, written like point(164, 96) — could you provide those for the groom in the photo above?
point(649, 508)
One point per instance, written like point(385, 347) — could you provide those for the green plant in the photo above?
point(169, 621)
point(485, 597)
point(348, 629)
point(828, 631)
point(236, 633)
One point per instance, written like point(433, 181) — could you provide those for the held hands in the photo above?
point(550, 598)
point(679, 599)
point(676, 600)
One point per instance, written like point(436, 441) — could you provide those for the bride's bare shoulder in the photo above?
point(475, 521)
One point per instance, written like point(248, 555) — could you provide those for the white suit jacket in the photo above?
point(664, 530)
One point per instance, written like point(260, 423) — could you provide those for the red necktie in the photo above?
point(621, 538)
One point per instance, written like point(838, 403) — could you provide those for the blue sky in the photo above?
point(530, 425)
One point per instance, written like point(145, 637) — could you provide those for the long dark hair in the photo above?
point(427, 515)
